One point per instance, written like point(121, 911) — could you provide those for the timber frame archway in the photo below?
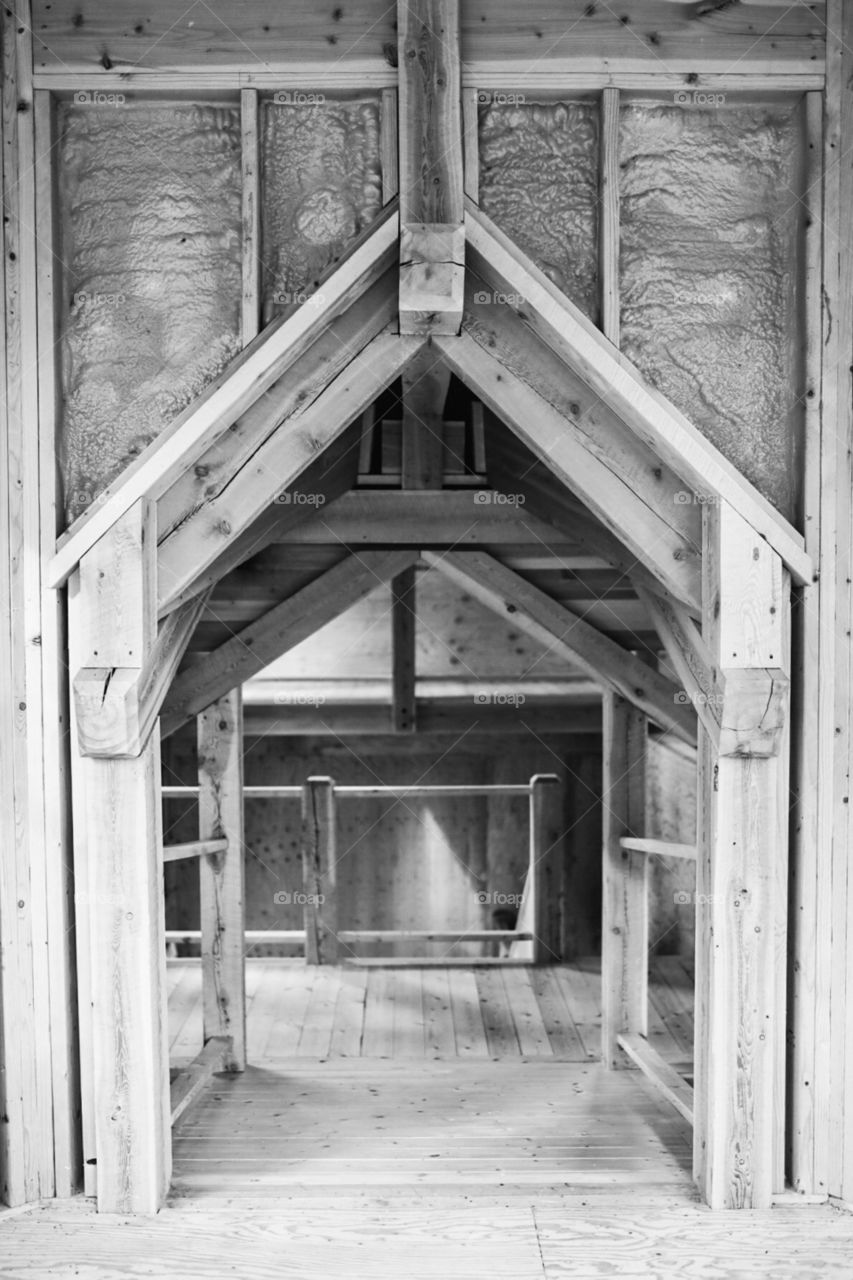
point(715, 572)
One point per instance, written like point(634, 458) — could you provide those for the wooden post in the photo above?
point(432, 239)
point(319, 853)
point(609, 215)
point(117, 820)
point(625, 905)
point(544, 881)
point(403, 625)
point(220, 816)
point(251, 215)
point(742, 834)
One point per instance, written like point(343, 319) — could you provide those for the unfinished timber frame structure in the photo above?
point(755, 616)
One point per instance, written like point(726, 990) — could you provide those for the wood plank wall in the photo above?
point(39, 1143)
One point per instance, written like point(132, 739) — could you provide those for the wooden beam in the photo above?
point(251, 215)
point(659, 848)
point(439, 716)
point(298, 440)
point(544, 881)
point(319, 857)
point(609, 215)
point(821, 1122)
point(563, 631)
point(390, 145)
point(403, 631)
point(610, 375)
point(220, 817)
point(471, 143)
point(432, 239)
point(625, 911)
point(666, 1079)
point(743, 832)
point(425, 385)
point(193, 849)
point(247, 377)
point(704, 684)
point(329, 356)
point(554, 437)
point(117, 816)
point(117, 707)
point(673, 42)
point(289, 623)
point(546, 499)
point(321, 483)
point(52, 800)
point(34, 889)
point(190, 1083)
point(419, 518)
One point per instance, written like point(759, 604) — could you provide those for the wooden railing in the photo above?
point(625, 924)
point(534, 937)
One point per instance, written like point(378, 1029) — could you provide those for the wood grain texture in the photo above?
point(116, 803)
point(430, 112)
point(34, 869)
point(143, 38)
point(625, 911)
point(564, 631)
point(221, 895)
point(280, 629)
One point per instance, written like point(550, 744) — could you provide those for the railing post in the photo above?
point(625, 905)
point(318, 871)
point(544, 881)
point(220, 816)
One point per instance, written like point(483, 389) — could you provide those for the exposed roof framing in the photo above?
point(559, 628)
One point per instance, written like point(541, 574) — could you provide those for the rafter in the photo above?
point(605, 484)
point(612, 377)
point(297, 441)
point(247, 377)
point(513, 469)
point(278, 631)
point(563, 631)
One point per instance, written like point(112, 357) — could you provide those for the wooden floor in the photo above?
point(431, 1012)
point(634, 1235)
point(423, 1124)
